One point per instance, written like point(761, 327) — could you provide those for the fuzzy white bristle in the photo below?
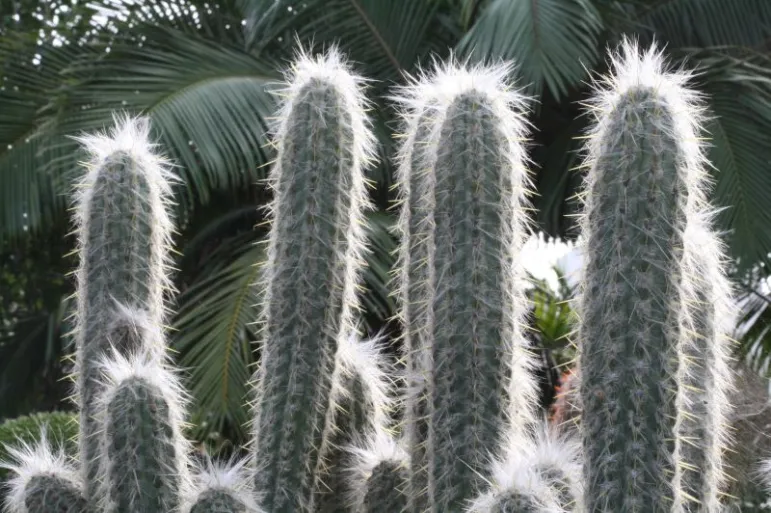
point(549, 449)
point(29, 460)
point(515, 476)
point(233, 477)
point(366, 359)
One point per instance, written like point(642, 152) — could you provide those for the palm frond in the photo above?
point(551, 41)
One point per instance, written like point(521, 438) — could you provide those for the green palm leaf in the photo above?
point(707, 22)
point(551, 41)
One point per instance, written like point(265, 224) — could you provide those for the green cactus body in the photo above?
point(515, 488)
point(143, 452)
point(219, 501)
point(52, 494)
point(385, 489)
point(706, 376)
point(314, 257)
point(642, 189)
point(123, 233)
point(472, 163)
point(414, 288)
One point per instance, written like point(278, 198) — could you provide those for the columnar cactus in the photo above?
point(644, 189)
point(515, 487)
point(378, 475)
point(314, 256)
point(143, 454)
point(705, 373)
point(460, 247)
point(413, 283)
point(123, 233)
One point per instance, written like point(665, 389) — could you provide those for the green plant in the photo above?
point(463, 183)
point(323, 419)
point(644, 203)
point(312, 272)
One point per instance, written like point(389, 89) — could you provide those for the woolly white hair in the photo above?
point(764, 473)
point(145, 367)
point(632, 69)
point(33, 460)
point(429, 96)
point(547, 449)
point(379, 448)
point(232, 477)
point(515, 476)
point(332, 69)
point(366, 359)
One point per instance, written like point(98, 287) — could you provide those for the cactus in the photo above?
point(143, 454)
point(123, 232)
point(644, 187)
point(362, 395)
point(44, 480)
point(470, 159)
point(378, 475)
point(515, 487)
point(314, 256)
point(706, 375)
point(413, 286)
point(654, 312)
point(223, 489)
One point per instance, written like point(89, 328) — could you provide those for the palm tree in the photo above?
point(203, 71)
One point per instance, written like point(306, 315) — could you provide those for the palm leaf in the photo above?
point(739, 94)
point(707, 23)
point(551, 41)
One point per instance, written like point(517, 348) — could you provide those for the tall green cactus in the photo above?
point(413, 285)
point(706, 375)
point(143, 454)
point(123, 234)
point(644, 187)
point(314, 257)
point(461, 248)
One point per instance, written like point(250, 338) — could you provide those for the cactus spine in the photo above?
point(645, 187)
point(461, 246)
point(314, 255)
point(123, 233)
